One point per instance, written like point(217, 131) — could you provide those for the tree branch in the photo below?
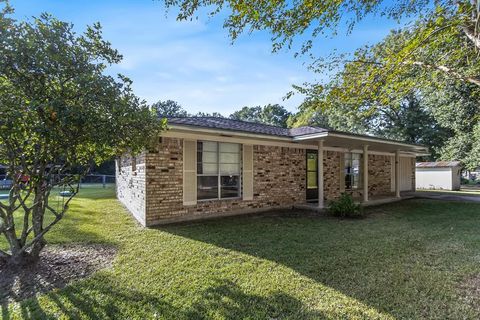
point(471, 36)
point(58, 217)
point(449, 71)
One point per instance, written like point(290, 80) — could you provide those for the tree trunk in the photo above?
point(37, 223)
point(11, 235)
point(21, 259)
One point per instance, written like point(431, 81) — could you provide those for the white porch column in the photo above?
point(397, 174)
point(365, 173)
point(320, 174)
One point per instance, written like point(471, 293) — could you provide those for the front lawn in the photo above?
point(414, 259)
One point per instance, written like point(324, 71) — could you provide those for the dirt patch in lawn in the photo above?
point(470, 289)
point(58, 265)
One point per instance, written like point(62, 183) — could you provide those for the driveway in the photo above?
point(451, 196)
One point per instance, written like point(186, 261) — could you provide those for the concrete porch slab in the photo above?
point(374, 201)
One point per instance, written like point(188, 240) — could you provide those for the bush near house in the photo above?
point(345, 207)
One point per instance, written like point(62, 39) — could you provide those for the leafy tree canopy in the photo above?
point(443, 38)
point(58, 113)
point(286, 19)
point(206, 114)
point(438, 49)
point(169, 108)
point(441, 114)
point(272, 114)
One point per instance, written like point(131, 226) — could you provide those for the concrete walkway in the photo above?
point(446, 196)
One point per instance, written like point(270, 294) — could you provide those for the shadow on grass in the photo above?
point(100, 298)
point(96, 193)
point(385, 261)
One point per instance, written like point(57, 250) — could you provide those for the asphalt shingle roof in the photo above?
point(243, 126)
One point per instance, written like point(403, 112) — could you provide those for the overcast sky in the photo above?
point(195, 63)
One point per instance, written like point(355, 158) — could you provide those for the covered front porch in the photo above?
point(356, 169)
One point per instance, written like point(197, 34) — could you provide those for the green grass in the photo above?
point(405, 260)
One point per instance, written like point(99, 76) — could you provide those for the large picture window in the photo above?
point(218, 170)
point(352, 170)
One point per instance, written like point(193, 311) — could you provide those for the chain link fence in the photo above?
point(91, 180)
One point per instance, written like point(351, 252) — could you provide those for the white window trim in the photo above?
point(219, 175)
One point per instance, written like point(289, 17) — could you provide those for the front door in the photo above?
point(312, 175)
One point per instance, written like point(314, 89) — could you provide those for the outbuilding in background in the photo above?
point(442, 175)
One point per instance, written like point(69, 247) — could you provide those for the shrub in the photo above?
point(345, 207)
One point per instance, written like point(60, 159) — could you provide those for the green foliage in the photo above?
point(345, 207)
point(464, 180)
point(59, 113)
point(439, 113)
point(285, 20)
point(441, 42)
point(206, 114)
point(406, 261)
point(251, 114)
point(169, 108)
point(272, 114)
point(438, 47)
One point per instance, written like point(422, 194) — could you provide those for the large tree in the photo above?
point(59, 113)
point(444, 39)
point(438, 47)
point(441, 114)
point(457, 107)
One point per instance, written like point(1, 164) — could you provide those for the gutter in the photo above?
point(337, 134)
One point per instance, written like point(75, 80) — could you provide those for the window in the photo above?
point(312, 162)
point(218, 170)
point(352, 170)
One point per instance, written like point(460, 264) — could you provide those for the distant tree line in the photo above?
point(272, 114)
point(444, 120)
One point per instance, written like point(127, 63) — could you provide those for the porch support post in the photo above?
point(397, 174)
point(365, 173)
point(320, 174)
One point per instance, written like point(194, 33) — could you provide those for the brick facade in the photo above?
point(154, 192)
point(332, 174)
point(379, 174)
point(279, 182)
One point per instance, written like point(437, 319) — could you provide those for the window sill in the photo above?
point(217, 199)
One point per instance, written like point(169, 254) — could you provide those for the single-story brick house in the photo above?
point(206, 166)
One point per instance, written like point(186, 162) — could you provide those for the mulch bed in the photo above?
point(57, 266)
point(470, 289)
